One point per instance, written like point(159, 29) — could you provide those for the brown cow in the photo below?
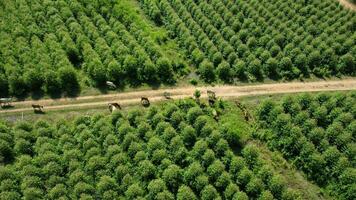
point(145, 102)
point(37, 108)
point(114, 106)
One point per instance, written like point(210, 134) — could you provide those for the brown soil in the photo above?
point(348, 4)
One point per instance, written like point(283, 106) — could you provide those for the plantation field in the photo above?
point(176, 150)
point(253, 39)
point(224, 121)
point(317, 134)
point(62, 47)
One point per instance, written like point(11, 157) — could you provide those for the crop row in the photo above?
point(263, 39)
point(176, 151)
point(42, 40)
point(317, 134)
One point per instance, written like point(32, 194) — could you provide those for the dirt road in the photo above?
point(348, 4)
point(129, 98)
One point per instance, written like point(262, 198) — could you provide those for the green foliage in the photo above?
point(127, 155)
point(312, 132)
point(206, 71)
point(197, 94)
point(165, 70)
point(68, 79)
point(103, 41)
point(224, 33)
point(225, 40)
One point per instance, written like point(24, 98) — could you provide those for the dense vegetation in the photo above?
point(51, 46)
point(229, 39)
point(177, 151)
point(317, 134)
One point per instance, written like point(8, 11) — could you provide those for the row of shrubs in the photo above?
point(317, 134)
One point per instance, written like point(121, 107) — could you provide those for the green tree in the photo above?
point(215, 169)
point(347, 181)
point(255, 68)
point(271, 67)
point(266, 195)
point(6, 152)
point(230, 191)
point(148, 73)
point(146, 169)
point(193, 114)
point(208, 157)
point(4, 86)
point(240, 196)
point(17, 85)
point(225, 72)
point(200, 182)
point(155, 187)
point(32, 193)
point(254, 187)
point(165, 70)
point(189, 135)
point(193, 170)
point(223, 180)
point(69, 80)
point(185, 193)
point(106, 183)
point(301, 61)
point(206, 71)
point(209, 193)
point(347, 64)
point(34, 79)
point(197, 57)
point(165, 195)
point(290, 194)
point(244, 176)
point(134, 191)
point(276, 185)
point(58, 191)
point(52, 83)
point(130, 67)
point(172, 176)
point(251, 155)
point(240, 69)
point(116, 73)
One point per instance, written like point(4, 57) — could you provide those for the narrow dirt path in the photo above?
point(130, 98)
point(348, 4)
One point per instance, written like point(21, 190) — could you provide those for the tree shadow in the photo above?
point(274, 77)
point(36, 95)
point(241, 78)
point(74, 58)
point(39, 112)
point(103, 89)
point(74, 92)
point(55, 95)
point(22, 97)
point(155, 86)
point(171, 82)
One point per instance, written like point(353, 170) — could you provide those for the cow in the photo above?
point(114, 106)
point(145, 102)
point(37, 108)
point(111, 85)
point(5, 102)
